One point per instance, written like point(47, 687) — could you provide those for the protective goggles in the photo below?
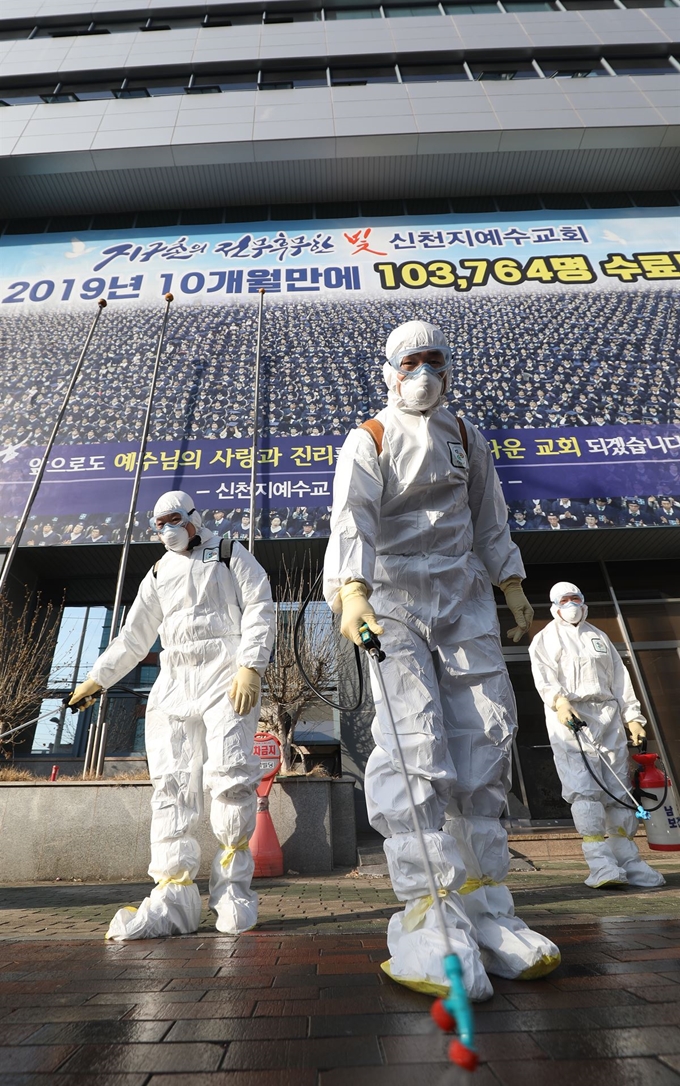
point(570, 597)
point(181, 513)
point(412, 361)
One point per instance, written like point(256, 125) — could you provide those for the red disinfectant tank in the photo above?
point(663, 825)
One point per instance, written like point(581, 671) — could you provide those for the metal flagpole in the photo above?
point(96, 743)
point(256, 412)
point(4, 575)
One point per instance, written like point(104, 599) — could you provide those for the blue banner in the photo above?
point(564, 330)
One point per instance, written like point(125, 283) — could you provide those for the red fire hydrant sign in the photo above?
point(264, 844)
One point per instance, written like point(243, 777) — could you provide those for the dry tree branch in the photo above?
point(27, 643)
point(286, 694)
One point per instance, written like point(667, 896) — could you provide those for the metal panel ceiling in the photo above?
point(88, 573)
point(493, 173)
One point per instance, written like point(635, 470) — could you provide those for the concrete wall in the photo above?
point(100, 831)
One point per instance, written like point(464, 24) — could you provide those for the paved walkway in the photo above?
point(302, 1001)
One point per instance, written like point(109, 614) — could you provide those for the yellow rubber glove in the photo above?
point(86, 692)
point(637, 731)
point(565, 711)
point(519, 605)
point(357, 611)
point(245, 690)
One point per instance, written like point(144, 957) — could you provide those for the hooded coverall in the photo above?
point(579, 663)
point(212, 620)
point(424, 526)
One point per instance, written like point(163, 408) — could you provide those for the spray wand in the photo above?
point(453, 1013)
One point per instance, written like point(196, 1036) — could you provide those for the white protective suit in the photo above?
point(578, 662)
point(212, 619)
point(424, 526)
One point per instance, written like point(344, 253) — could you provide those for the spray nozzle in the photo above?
point(370, 643)
point(575, 724)
point(454, 1013)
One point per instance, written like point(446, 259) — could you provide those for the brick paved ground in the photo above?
point(302, 1001)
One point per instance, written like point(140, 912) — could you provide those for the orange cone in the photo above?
point(264, 844)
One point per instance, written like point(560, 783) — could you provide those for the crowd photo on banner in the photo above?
point(589, 354)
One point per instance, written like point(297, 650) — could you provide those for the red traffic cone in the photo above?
point(264, 844)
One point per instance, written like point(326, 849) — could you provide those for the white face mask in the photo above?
point(174, 537)
point(421, 392)
point(571, 612)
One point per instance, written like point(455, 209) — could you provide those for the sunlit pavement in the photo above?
point(302, 1001)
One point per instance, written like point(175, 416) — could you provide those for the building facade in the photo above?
point(353, 160)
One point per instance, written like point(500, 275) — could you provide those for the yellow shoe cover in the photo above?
point(542, 967)
point(427, 987)
point(611, 884)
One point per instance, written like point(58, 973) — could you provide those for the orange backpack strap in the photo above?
point(463, 433)
point(376, 430)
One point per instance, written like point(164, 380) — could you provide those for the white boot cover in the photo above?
point(172, 908)
point(590, 821)
point(418, 950)
point(509, 948)
point(622, 826)
point(231, 897)
point(413, 937)
point(232, 815)
point(604, 869)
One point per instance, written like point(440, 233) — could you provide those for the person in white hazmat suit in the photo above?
point(216, 623)
point(419, 525)
point(578, 673)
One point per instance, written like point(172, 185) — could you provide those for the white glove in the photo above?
point(87, 692)
point(637, 731)
point(519, 605)
point(565, 711)
point(357, 612)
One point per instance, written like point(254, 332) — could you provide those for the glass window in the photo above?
point(291, 17)
point(289, 80)
point(65, 30)
point(153, 88)
point(127, 26)
point(87, 92)
point(234, 81)
point(17, 34)
point(503, 70)
point(360, 77)
point(352, 13)
point(413, 10)
point(78, 646)
point(431, 73)
point(155, 24)
point(528, 5)
point(588, 5)
point(661, 673)
point(644, 580)
point(543, 789)
point(233, 20)
point(641, 65)
point(650, 3)
point(472, 9)
point(652, 621)
point(571, 69)
point(26, 96)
